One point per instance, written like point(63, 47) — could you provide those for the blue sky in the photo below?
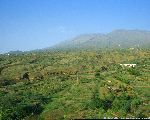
point(33, 24)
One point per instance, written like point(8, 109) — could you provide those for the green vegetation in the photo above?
point(74, 84)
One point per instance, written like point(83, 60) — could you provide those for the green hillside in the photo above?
point(75, 85)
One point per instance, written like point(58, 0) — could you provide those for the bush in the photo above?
point(96, 102)
point(33, 108)
point(134, 71)
point(84, 80)
point(123, 103)
point(18, 106)
point(123, 78)
point(140, 114)
point(5, 82)
point(97, 74)
point(38, 76)
point(107, 104)
point(63, 77)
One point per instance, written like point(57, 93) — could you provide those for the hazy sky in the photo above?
point(33, 24)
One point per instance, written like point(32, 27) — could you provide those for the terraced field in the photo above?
point(75, 84)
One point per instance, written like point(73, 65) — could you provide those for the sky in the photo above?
point(35, 24)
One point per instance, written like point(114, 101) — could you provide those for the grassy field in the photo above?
point(75, 85)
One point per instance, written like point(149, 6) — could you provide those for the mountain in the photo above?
point(15, 52)
point(115, 39)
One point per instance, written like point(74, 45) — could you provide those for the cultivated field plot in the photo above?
point(75, 84)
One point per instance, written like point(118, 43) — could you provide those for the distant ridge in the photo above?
point(116, 39)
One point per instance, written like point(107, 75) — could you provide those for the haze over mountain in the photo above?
point(115, 39)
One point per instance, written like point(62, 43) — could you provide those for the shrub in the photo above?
point(38, 76)
point(134, 71)
point(5, 82)
point(96, 102)
point(18, 106)
point(123, 102)
point(123, 78)
point(97, 74)
point(84, 80)
point(63, 77)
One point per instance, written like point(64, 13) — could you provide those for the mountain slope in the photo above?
point(114, 39)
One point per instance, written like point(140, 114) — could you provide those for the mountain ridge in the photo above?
point(119, 38)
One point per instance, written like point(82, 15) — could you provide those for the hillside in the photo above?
point(114, 39)
point(75, 85)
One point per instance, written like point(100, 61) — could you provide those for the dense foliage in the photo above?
point(75, 84)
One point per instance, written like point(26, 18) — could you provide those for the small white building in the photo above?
point(128, 65)
point(109, 81)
